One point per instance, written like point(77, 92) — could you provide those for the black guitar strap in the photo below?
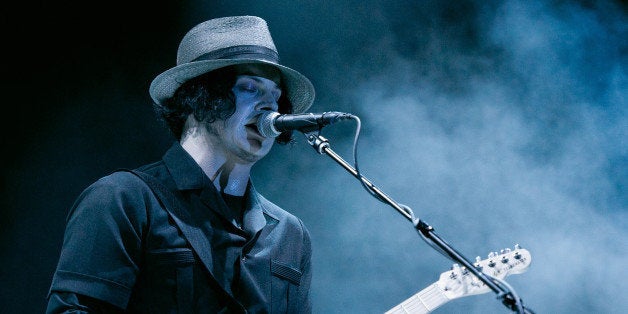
point(185, 271)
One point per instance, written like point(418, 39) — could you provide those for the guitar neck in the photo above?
point(458, 282)
point(426, 301)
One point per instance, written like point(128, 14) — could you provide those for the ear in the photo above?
point(191, 128)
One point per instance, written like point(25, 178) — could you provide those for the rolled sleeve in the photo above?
point(102, 241)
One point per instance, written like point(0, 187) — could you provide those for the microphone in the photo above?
point(271, 123)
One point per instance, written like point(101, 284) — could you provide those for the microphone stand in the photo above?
point(321, 145)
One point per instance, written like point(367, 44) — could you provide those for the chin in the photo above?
point(250, 153)
point(257, 147)
point(261, 152)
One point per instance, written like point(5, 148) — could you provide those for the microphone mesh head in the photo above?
point(266, 124)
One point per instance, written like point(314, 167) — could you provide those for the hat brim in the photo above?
point(298, 88)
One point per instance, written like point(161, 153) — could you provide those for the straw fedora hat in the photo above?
point(227, 41)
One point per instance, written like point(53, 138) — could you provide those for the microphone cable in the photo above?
point(406, 208)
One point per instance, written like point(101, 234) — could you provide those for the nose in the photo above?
point(267, 106)
point(267, 103)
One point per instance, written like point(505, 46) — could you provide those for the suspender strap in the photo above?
point(183, 264)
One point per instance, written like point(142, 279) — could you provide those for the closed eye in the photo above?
point(248, 87)
point(256, 86)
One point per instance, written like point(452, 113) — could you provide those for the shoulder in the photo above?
point(118, 183)
point(122, 182)
point(289, 221)
point(114, 196)
point(275, 210)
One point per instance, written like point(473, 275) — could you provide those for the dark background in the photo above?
point(498, 122)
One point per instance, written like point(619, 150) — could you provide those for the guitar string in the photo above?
point(426, 299)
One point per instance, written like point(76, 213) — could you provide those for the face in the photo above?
point(255, 91)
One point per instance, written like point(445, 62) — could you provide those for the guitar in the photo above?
point(459, 282)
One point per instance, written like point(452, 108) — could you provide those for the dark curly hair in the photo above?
point(208, 97)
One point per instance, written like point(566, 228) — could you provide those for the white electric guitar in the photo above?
point(459, 282)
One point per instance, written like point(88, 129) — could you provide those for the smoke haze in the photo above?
point(497, 122)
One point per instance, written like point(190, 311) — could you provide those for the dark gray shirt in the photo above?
point(124, 250)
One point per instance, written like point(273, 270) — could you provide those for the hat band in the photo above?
point(241, 52)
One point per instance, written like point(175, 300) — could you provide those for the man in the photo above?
point(189, 233)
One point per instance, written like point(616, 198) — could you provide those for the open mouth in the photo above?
point(251, 128)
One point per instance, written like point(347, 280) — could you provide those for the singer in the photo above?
point(189, 233)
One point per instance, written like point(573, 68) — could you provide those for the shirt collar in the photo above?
point(188, 175)
point(185, 172)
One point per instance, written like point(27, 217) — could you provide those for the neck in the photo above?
point(228, 175)
point(426, 301)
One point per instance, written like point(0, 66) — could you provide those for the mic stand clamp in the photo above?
point(317, 141)
point(321, 145)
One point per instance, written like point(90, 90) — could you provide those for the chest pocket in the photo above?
point(285, 272)
point(171, 273)
point(284, 282)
